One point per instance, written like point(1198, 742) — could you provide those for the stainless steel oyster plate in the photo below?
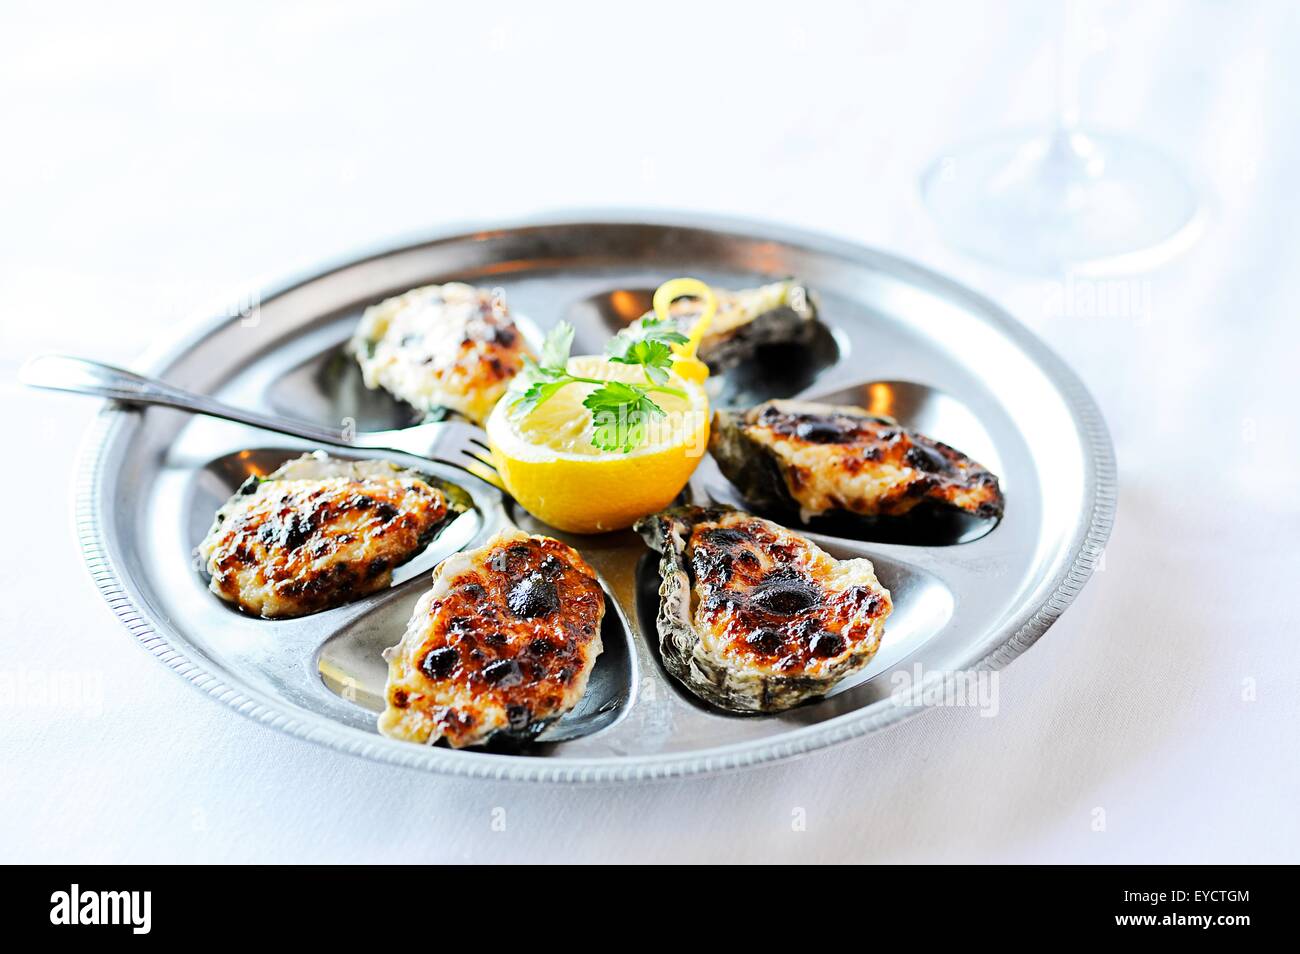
point(950, 363)
point(328, 387)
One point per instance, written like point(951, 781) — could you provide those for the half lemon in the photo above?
point(549, 464)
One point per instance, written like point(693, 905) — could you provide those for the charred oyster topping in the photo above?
point(318, 532)
point(503, 643)
point(778, 313)
point(447, 346)
point(818, 458)
point(754, 617)
point(534, 596)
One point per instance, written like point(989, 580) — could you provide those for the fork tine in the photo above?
point(465, 442)
point(484, 470)
point(448, 442)
point(486, 461)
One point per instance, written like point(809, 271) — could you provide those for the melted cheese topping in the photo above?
point(292, 547)
point(505, 640)
point(843, 459)
point(768, 600)
point(441, 346)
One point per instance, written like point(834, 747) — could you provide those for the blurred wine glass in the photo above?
point(1065, 197)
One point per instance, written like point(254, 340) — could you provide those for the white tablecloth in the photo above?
point(155, 157)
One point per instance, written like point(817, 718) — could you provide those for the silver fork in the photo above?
point(451, 442)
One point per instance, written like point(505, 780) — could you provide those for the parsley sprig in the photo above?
point(649, 346)
point(619, 410)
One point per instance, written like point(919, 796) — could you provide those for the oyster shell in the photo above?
point(754, 617)
point(777, 313)
point(501, 645)
point(441, 347)
point(319, 531)
point(819, 458)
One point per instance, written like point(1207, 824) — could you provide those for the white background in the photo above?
point(154, 158)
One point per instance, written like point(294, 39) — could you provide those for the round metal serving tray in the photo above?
point(906, 340)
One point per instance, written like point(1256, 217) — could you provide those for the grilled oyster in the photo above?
point(779, 313)
point(318, 532)
point(818, 458)
point(503, 643)
point(754, 617)
point(447, 346)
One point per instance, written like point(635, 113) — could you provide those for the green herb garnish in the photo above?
point(648, 346)
point(619, 409)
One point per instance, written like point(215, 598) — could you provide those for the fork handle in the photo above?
point(56, 372)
